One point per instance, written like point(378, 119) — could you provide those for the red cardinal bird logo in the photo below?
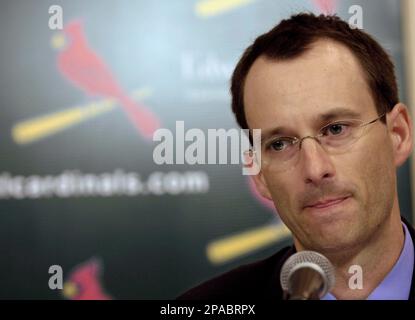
point(326, 6)
point(248, 164)
point(85, 69)
point(254, 191)
point(84, 282)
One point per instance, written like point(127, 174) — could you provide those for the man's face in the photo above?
point(294, 94)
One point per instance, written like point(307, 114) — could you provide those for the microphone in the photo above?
point(307, 275)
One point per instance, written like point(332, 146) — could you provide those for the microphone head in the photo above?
point(311, 260)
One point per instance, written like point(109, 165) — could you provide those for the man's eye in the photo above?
point(280, 144)
point(334, 129)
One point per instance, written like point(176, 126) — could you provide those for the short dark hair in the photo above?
point(294, 36)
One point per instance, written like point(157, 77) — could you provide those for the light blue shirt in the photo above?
point(397, 283)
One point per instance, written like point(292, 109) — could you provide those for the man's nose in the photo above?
point(316, 164)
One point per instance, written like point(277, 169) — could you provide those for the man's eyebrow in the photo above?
point(333, 114)
point(265, 134)
point(337, 113)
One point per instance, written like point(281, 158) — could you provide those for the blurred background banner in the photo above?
point(408, 28)
point(78, 184)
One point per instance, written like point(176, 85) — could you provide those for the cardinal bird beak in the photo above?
point(70, 290)
point(58, 41)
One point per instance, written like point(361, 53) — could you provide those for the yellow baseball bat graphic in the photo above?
point(234, 246)
point(32, 130)
point(207, 8)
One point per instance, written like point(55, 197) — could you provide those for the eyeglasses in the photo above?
point(281, 153)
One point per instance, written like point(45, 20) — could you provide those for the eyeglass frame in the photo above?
point(316, 137)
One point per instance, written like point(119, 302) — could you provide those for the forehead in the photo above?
point(325, 77)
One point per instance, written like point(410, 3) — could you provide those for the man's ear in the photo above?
point(261, 185)
point(400, 130)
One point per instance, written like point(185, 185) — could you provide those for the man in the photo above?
point(333, 134)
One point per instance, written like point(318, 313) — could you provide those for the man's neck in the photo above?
point(376, 258)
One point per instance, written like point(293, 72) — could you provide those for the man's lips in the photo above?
point(327, 203)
